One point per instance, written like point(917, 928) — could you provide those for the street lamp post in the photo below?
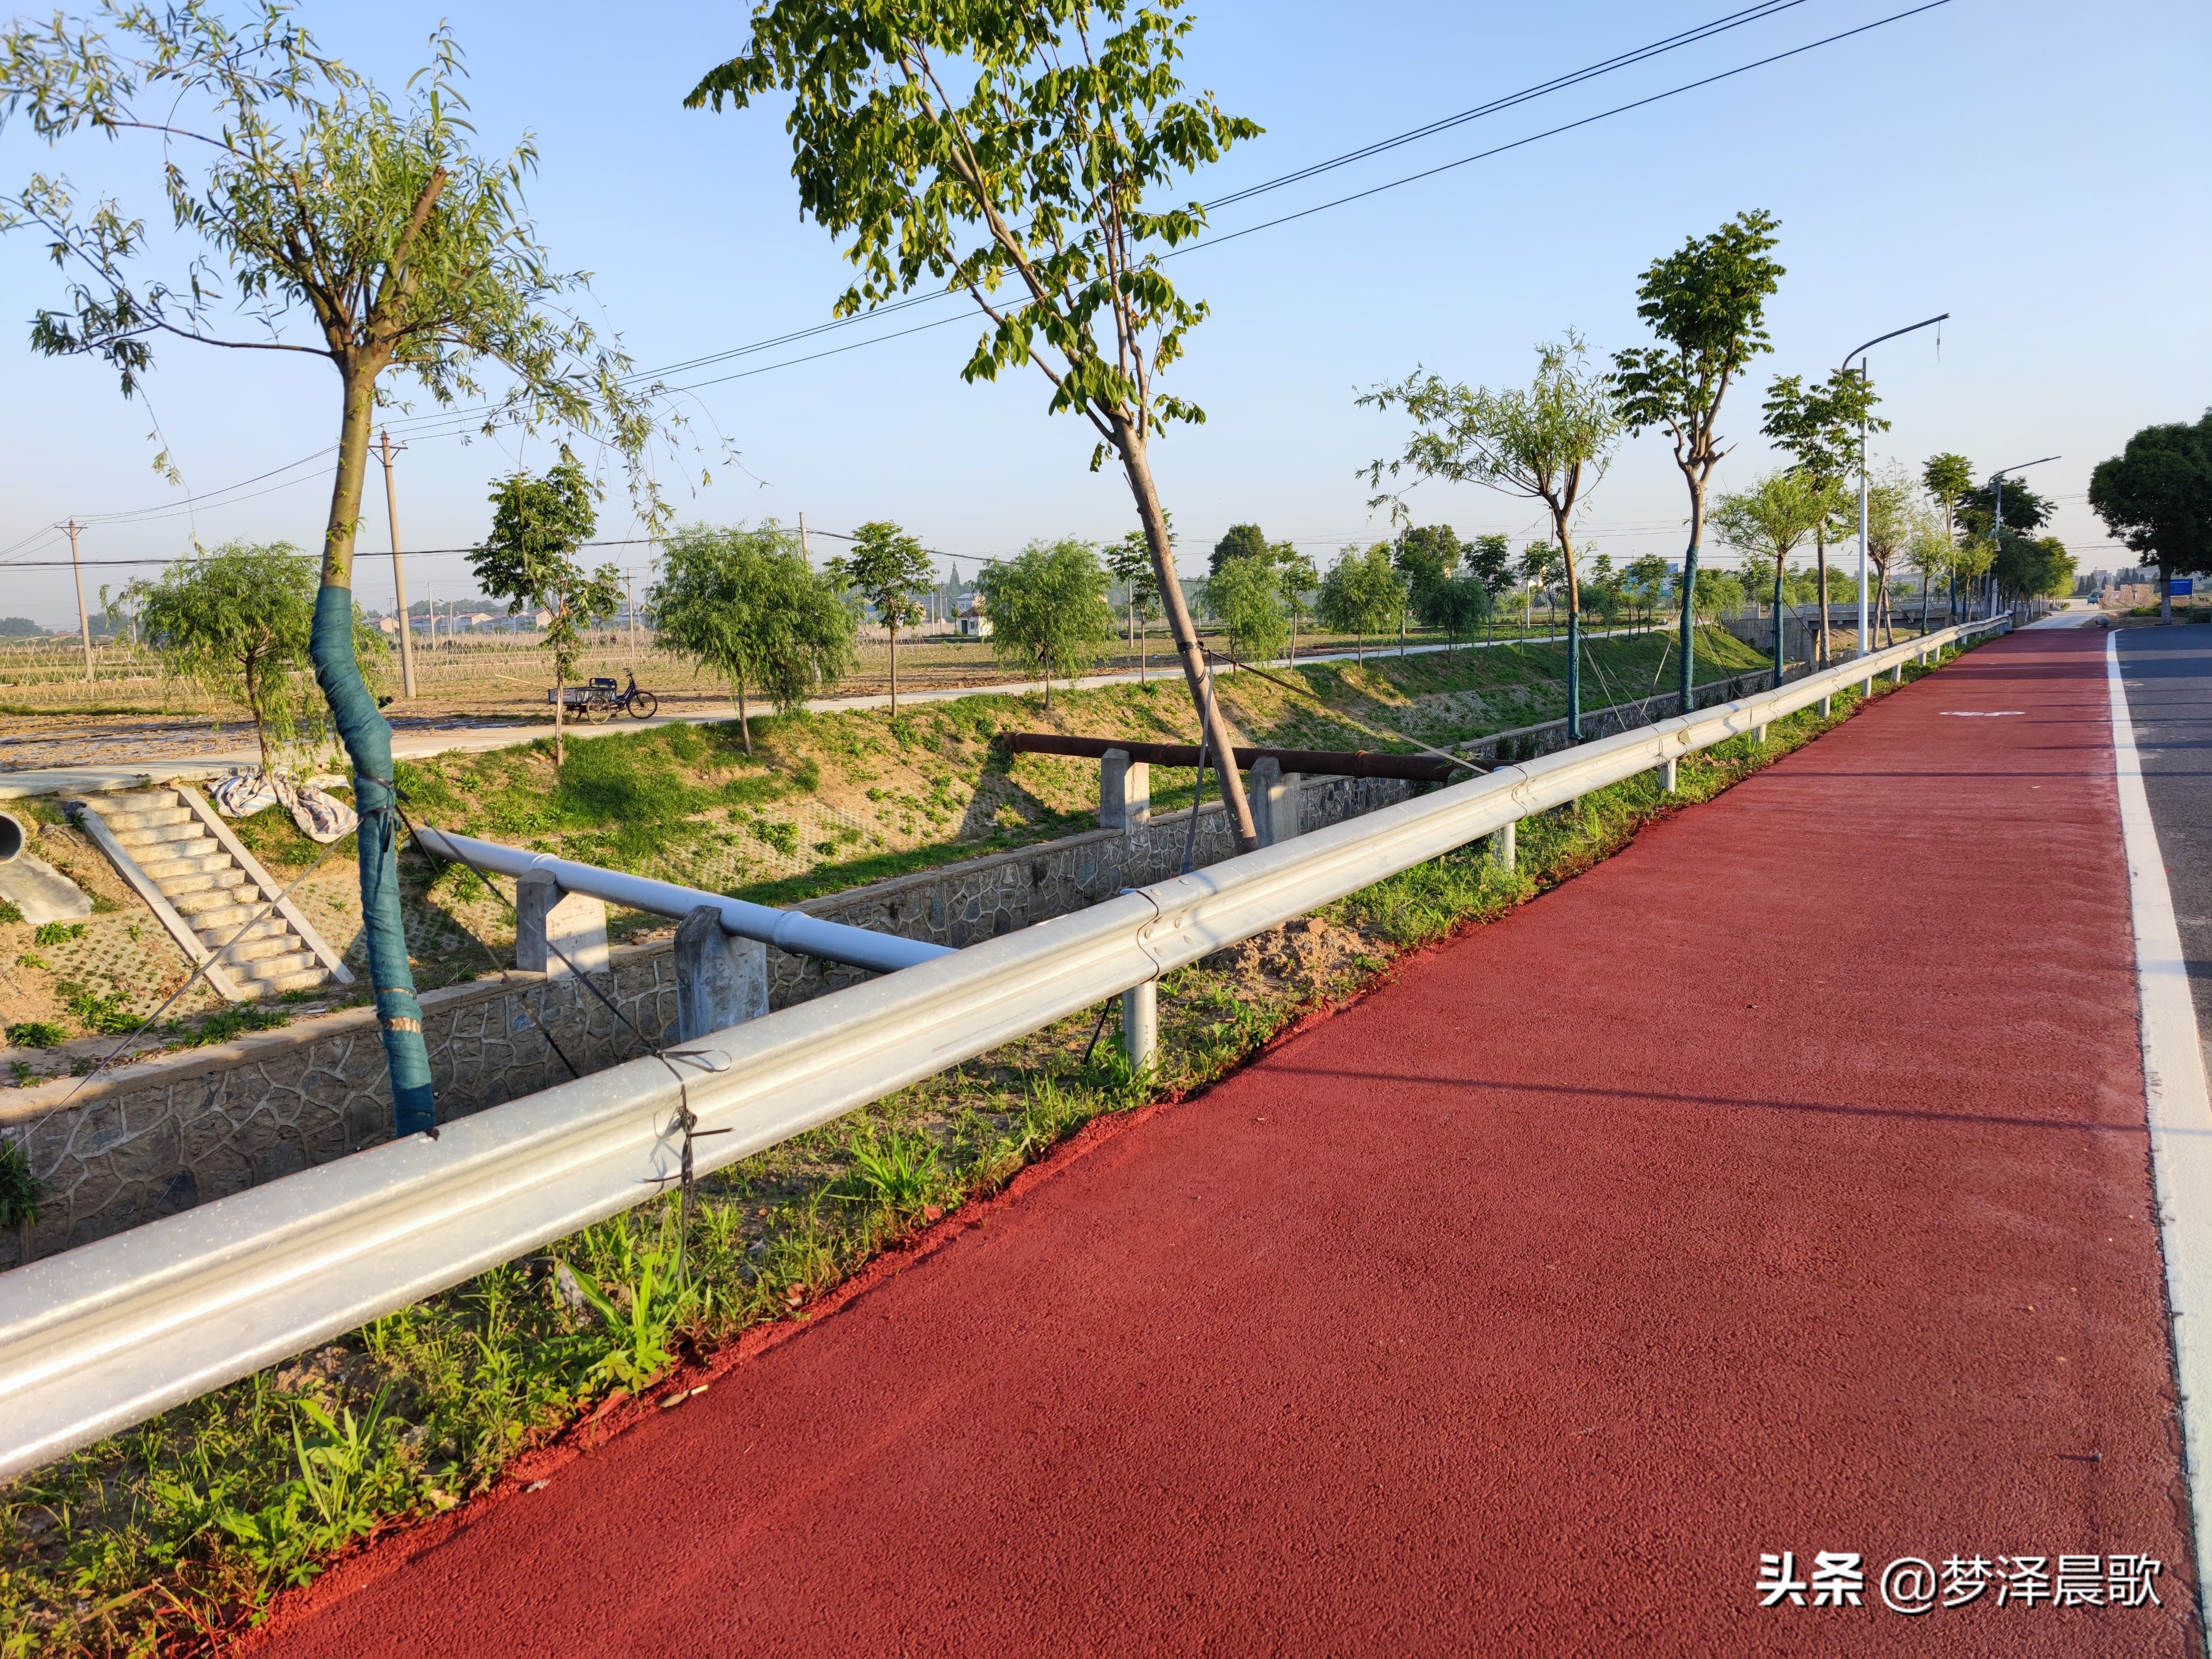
point(1996, 523)
point(1859, 353)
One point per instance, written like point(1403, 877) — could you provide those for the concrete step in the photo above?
point(189, 861)
point(218, 918)
point(215, 936)
point(136, 800)
point(225, 875)
point(276, 984)
point(262, 947)
point(162, 835)
point(231, 895)
point(151, 817)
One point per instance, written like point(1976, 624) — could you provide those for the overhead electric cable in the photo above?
point(1558, 83)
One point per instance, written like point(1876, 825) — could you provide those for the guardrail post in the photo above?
point(1125, 792)
point(555, 931)
point(721, 981)
point(1759, 734)
point(1828, 707)
point(1667, 772)
point(1275, 795)
point(1140, 1023)
point(1502, 848)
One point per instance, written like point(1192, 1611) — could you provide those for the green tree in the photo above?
point(236, 622)
point(1242, 541)
point(1130, 562)
point(1889, 527)
point(1647, 579)
point(1456, 606)
point(1824, 427)
point(2156, 496)
point(1946, 477)
point(888, 569)
point(1301, 584)
point(1706, 304)
point(1362, 594)
point(1246, 594)
point(1541, 569)
point(1028, 145)
point(745, 605)
point(1490, 561)
point(1551, 443)
point(1048, 610)
point(348, 226)
point(1770, 521)
point(538, 526)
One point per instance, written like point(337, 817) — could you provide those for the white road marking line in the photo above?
point(2178, 1107)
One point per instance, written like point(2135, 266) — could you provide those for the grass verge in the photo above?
point(178, 1534)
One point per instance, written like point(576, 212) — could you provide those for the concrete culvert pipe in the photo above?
point(12, 836)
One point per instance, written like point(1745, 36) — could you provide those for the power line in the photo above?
point(1554, 132)
point(417, 425)
point(1559, 83)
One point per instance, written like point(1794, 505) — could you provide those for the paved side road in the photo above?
point(2168, 674)
point(1635, 1275)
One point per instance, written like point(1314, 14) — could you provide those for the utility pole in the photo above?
point(399, 576)
point(806, 549)
point(83, 622)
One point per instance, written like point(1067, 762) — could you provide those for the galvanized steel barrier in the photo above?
point(108, 1334)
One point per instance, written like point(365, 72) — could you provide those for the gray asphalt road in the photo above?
point(2168, 674)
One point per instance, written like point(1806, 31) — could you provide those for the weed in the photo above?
point(57, 933)
point(20, 1190)
point(649, 1304)
point(106, 1013)
point(10, 911)
point(223, 1025)
point(37, 1034)
point(897, 1172)
point(26, 960)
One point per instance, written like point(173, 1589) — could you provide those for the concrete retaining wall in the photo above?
point(160, 1136)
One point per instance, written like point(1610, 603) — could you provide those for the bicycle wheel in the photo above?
point(643, 705)
point(598, 710)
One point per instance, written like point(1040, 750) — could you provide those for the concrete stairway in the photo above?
point(199, 879)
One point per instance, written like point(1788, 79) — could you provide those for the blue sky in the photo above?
point(2038, 170)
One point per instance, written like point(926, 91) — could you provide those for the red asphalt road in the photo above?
point(1780, 1184)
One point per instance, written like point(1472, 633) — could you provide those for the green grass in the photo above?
point(181, 1529)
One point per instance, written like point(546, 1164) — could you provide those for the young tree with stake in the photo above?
point(529, 559)
point(1551, 443)
point(1825, 427)
point(1041, 129)
point(1130, 562)
point(1706, 302)
point(363, 231)
point(888, 569)
point(1770, 521)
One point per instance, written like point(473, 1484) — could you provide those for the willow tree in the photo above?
point(1013, 153)
point(1706, 302)
point(1551, 443)
point(333, 221)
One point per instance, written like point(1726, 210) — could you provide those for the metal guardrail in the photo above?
point(108, 1334)
point(787, 930)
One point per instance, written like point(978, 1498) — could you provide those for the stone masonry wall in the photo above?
point(160, 1136)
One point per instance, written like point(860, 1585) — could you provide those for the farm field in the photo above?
point(824, 802)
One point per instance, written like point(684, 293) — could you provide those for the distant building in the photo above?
point(974, 623)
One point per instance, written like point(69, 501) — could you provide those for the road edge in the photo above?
point(2178, 1110)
